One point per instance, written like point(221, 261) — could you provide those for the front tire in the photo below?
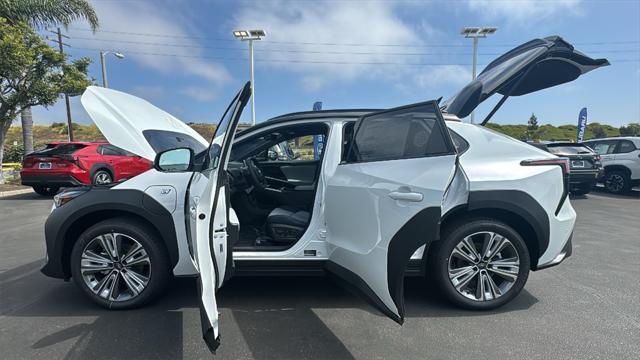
point(119, 264)
point(617, 182)
point(480, 264)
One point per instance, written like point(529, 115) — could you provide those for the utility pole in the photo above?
point(66, 97)
point(250, 35)
point(475, 33)
point(103, 63)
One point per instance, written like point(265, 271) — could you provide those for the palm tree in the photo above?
point(40, 14)
point(43, 13)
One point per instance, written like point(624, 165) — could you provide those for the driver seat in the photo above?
point(287, 224)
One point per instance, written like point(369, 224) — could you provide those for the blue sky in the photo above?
point(181, 56)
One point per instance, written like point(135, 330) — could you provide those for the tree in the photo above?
point(33, 73)
point(42, 13)
point(598, 131)
point(533, 130)
point(632, 129)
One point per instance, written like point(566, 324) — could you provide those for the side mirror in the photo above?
point(174, 160)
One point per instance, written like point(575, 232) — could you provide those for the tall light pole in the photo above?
point(475, 33)
point(103, 62)
point(250, 36)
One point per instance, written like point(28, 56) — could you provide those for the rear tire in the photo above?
point(135, 276)
point(448, 265)
point(102, 177)
point(46, 190)
point(617, 182)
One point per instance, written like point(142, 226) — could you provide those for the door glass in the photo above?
point(625, 147)
point(301, 148)
point(605, 147)
point(213, 157)
point(402, 134)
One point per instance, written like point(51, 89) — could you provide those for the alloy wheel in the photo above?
point(483, 266)
point(115, 267)
point(102, 178)
point(614, 183)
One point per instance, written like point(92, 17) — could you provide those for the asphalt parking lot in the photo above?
point(587, 308)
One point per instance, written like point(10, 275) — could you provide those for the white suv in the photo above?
point(621, 162)
point(389, 193)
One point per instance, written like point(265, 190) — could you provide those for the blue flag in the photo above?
point(582, 124)
point(318, 140)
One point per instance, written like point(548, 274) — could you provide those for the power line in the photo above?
point(316, 51)
point(300, 61)
point(598, 43)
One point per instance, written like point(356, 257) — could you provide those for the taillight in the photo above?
point(562, 162)
point(71, 159)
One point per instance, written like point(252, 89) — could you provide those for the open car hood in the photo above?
point(124, 119)
point(532, 66)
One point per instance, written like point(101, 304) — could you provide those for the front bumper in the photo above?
point(565, 253)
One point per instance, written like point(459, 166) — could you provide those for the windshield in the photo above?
point(161, 140)
point(219, 135)
point(569, 150)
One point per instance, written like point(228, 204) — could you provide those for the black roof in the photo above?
point(322, 114)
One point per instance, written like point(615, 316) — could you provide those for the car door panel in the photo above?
point(296, 172)
point(209, 216)
point(379, 213)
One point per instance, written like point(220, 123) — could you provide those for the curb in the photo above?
point(14, 192)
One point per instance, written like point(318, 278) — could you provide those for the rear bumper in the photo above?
point(565, 253)
point(59, 180)
point(583, 178)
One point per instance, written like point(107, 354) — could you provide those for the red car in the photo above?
point(63, 164)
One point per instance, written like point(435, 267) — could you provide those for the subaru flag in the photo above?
point(318, 140)
point(582, 124)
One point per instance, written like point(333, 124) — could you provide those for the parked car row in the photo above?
point(66, 164)
point(615, 162)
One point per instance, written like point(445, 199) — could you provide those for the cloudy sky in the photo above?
point(181, 55)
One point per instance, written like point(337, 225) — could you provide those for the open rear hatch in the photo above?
point(532, 66)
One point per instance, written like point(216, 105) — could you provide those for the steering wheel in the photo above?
point(255, 173)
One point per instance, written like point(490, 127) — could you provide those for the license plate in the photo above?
point(577, 163)
point(44, 165)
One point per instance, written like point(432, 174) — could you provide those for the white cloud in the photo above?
point(440, 76)
point(200, 93)
point(522, 11)
point(143, 17)
point(329, 22)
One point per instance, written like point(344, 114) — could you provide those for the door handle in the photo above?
point(406, 196)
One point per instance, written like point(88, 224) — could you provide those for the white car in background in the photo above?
point(620, 158)
point(394, 192)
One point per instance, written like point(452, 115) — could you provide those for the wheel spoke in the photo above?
point(134, 281)
point(109, 243)
point(493, 245)
point(467, 250)
point(506, 268)
point(105, 286)
point(493, 288)
point(136, 255)
point(480, 288)
point(460, 277)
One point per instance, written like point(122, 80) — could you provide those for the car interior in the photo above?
point(273, 178)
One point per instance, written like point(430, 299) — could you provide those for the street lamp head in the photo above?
point(249, 34)
point(471, 32)
point(119, 55)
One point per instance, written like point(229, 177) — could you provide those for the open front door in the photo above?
point(209, 213)
point(384, 201)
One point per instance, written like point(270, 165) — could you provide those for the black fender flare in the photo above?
point(519, 203)
point(64, 223)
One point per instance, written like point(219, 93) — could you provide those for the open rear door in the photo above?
point(209, 212)
point(384, 200)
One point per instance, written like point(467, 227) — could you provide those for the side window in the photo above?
point(459, 142)
point(347, 139)
point(604, 147)
point(111, 150)
point(625, 146)
point(301, 148)
point(100, 149)
point(403, 133)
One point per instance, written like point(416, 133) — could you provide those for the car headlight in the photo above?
point(66, 196)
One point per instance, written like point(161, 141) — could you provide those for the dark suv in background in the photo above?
point(586, 166)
